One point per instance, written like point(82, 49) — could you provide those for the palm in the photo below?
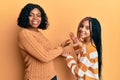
point(73, 38)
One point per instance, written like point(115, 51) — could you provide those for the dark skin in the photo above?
point(35, 21)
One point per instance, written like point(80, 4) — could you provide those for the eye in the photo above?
point(30, 14)
point(81, 26)
point(87, 27)
point(39, 15)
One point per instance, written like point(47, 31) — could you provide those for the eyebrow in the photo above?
point(33, 13)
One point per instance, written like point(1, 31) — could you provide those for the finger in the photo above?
point(81, 39)
point(67, 40)
point(71, 34)
point(67, 53)
point(67, 44)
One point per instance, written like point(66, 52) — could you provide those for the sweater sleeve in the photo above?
point(35, 49)
point(77, 69)
point(85, 66)
point(77, 48)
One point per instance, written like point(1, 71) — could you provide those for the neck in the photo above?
point(87, 40)
point(34, 29)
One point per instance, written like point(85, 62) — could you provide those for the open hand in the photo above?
point(73, 38)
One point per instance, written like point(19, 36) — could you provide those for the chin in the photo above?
point(82, 36)
point(35, 26)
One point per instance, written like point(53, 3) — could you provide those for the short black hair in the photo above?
point(23, 20)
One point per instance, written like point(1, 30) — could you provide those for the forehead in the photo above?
point(86, 22)
point(35, 10)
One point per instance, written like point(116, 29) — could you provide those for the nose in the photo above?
point(35, 17)
point(83, 29)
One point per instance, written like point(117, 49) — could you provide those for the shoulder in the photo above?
point(24, 33)
point(91, 47)
point(92, 51)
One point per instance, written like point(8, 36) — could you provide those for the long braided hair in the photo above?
point(95, 34)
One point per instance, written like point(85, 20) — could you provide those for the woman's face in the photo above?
point(35, 18)
point(84, 31)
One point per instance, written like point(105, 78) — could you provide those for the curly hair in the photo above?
point(23, 20)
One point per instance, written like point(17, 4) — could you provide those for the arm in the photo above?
point(77, 48)
point(76, 43)
point(85, 66)
point(34, 48)
point(77, 69)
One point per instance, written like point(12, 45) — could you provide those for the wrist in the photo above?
point(74, 42)
point(61, 46)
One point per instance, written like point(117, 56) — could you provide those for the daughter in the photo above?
point(88, 49)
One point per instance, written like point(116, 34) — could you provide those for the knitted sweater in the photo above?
point(38, 55)
point(86, 67)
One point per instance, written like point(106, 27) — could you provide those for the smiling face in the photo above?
point(34, 18)
point(84, 31)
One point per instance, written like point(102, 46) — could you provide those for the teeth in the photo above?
point(82, 33)
point(35, 22)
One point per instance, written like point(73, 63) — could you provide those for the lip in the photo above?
point(82, 33)
point(35, 22)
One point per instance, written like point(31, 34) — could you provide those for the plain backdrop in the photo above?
point(64, 16)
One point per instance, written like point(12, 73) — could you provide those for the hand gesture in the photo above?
point(73, 38)
point(65, 53)
point(65, 43)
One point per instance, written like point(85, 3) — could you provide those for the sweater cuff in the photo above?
point(60, 49)
point(76, 44)
point(69, 56)
point(76, 48)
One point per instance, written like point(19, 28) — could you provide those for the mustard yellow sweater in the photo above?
point(38, 55)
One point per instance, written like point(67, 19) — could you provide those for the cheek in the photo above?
point(40, 18)
point(30, 18)
point(79, 30)
point(88, 33)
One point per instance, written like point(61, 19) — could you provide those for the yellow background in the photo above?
point(64, 16)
